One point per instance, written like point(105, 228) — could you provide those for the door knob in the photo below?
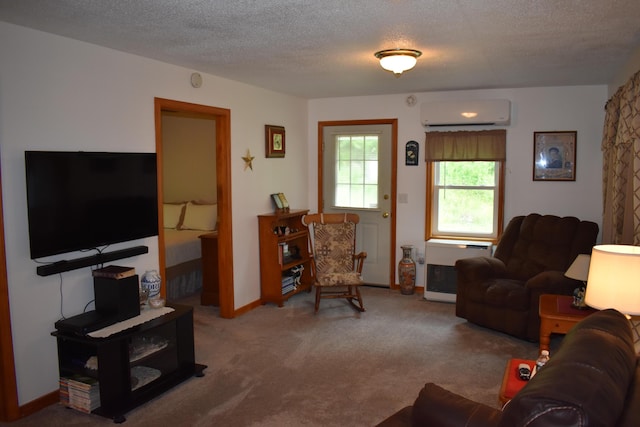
point(385, 215)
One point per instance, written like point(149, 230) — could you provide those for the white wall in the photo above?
point(60, 94)
point(631, 67)
point(577, 108)
point(189, 159)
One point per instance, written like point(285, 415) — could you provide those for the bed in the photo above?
point(183, 224)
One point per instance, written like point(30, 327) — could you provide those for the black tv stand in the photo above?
point(74, 264)
point(162, 346)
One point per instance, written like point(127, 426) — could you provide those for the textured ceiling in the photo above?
point(324, 48)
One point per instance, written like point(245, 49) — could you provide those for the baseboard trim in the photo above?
point(39, 403)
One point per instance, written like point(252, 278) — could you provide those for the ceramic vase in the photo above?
point(407, 271)
point(151, 281)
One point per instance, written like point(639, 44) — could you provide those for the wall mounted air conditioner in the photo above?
point(466, 112)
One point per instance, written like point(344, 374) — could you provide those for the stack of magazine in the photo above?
point(80, 392)
point(288, 283)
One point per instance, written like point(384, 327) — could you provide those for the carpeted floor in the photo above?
point(288, 367)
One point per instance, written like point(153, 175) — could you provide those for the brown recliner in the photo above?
point(502, 292)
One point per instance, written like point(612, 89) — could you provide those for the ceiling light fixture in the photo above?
point(398, 60)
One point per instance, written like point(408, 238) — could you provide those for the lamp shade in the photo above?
point(579, 268)
point(614, 278)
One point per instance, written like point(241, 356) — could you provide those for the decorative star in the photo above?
point(248, 158)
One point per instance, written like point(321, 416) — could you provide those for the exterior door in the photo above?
point(358, 177)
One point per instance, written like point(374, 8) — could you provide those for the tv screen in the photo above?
point(85, 200)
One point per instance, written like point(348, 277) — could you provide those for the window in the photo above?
point(356, 171)
point(465, 179)
point(465, 198)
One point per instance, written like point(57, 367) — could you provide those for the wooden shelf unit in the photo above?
point(272, 267)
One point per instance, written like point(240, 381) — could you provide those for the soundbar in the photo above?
point(101, 258)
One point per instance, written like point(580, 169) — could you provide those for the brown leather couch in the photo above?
point(592, 380)
point(502, 292)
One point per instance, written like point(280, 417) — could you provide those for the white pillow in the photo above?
point(200, 217)
point(172, 213)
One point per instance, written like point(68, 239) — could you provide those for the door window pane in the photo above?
point(356, 171)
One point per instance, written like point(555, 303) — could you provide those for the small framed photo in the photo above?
point(283, 200)
point(554, 156)
point(275, 197)
point(274, 141)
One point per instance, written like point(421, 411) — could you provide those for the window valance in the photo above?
point(486, 145)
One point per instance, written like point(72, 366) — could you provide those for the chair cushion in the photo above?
point(339, 279)
point(501, 293)
point(334, 247)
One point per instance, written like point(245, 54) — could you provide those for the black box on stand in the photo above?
point(117, 298)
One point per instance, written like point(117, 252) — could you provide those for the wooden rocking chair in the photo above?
point(335, 267)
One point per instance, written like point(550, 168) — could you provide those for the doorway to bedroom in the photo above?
point(204, 189)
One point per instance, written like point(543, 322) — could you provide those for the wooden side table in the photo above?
point(210, 288)
point(557, 316)
point(511, 382)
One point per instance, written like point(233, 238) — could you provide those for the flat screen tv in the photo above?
point(89, 200)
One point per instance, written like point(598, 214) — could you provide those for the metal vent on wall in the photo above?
point(440, 258)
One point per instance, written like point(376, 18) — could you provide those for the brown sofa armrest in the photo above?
point(631, 409)
point(470, 273)
point(552, 282)
point(402, 418)
point(437, 407)
point(479, 268)
point(548, 282)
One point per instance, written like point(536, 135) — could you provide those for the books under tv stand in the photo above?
point(283, 228)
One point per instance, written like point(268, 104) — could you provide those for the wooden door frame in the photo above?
point(394, 178)
point(222, 118)
point(9, 409)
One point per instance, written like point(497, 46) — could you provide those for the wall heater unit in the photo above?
point(440, 258)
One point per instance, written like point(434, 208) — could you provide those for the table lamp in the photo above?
point(614, 272)
point(579, 270)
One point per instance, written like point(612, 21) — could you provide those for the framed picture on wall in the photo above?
point(554, 156)
point(274, 141)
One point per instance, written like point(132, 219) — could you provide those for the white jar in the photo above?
point(151, 281)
